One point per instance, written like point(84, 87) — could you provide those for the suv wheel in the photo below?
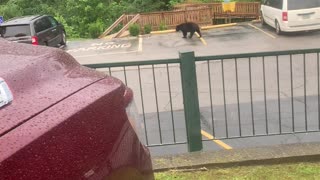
point(278, 29)
point(64, 39)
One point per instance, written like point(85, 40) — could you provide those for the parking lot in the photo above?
point(242, 38)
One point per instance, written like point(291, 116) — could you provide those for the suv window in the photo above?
point(42, 24)
point(298, 4)
point(15, 31)
point(53, 22)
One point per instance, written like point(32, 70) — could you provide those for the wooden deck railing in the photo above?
point(202, 14)
point(243, 9)
point(173, 18)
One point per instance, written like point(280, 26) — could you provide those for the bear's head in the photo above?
point(178, 28)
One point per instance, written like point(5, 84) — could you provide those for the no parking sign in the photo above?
point(1, 19)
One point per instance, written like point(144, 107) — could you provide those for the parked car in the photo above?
point(60, 120)
point(36, 30)
point(291, 15)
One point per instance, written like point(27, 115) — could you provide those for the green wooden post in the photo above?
point(191, 100)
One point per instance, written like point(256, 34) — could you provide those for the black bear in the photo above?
point(188, 27)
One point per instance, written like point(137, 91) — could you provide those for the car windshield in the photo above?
point(15, 31)
point(299, 4)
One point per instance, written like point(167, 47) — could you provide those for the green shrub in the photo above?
point(95, 29)
point(69, 29)
point(134, 29)
point(147, 29)
point(9, 11)
point(163, 26)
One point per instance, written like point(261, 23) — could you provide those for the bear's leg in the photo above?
point(198, 31)
point(191, 34)
point(184, 34)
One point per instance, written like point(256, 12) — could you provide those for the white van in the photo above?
point(291, 15)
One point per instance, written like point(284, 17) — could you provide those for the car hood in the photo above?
point(38, 77)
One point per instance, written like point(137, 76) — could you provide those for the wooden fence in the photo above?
point(202, 14)
point(242, 9)
point(172, 18)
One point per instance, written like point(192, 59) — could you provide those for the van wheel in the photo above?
point(278, 29)
point(262, 20)
point(64, 39)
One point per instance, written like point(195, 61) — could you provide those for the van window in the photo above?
point(299, 4)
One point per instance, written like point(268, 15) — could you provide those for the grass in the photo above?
point(268, 172)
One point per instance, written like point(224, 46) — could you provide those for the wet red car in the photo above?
point(60, 120)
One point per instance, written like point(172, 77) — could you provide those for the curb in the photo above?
point(218, 26)
point(288, 153)
point(163, 32)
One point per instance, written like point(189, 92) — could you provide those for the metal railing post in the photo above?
point(191, 100)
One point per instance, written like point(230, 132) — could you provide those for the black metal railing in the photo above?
point(272, 93)
point(228, 96)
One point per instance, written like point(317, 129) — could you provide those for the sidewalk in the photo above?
point(248, 156)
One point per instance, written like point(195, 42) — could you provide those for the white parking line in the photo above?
point(268, 34)
point(90, 55)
